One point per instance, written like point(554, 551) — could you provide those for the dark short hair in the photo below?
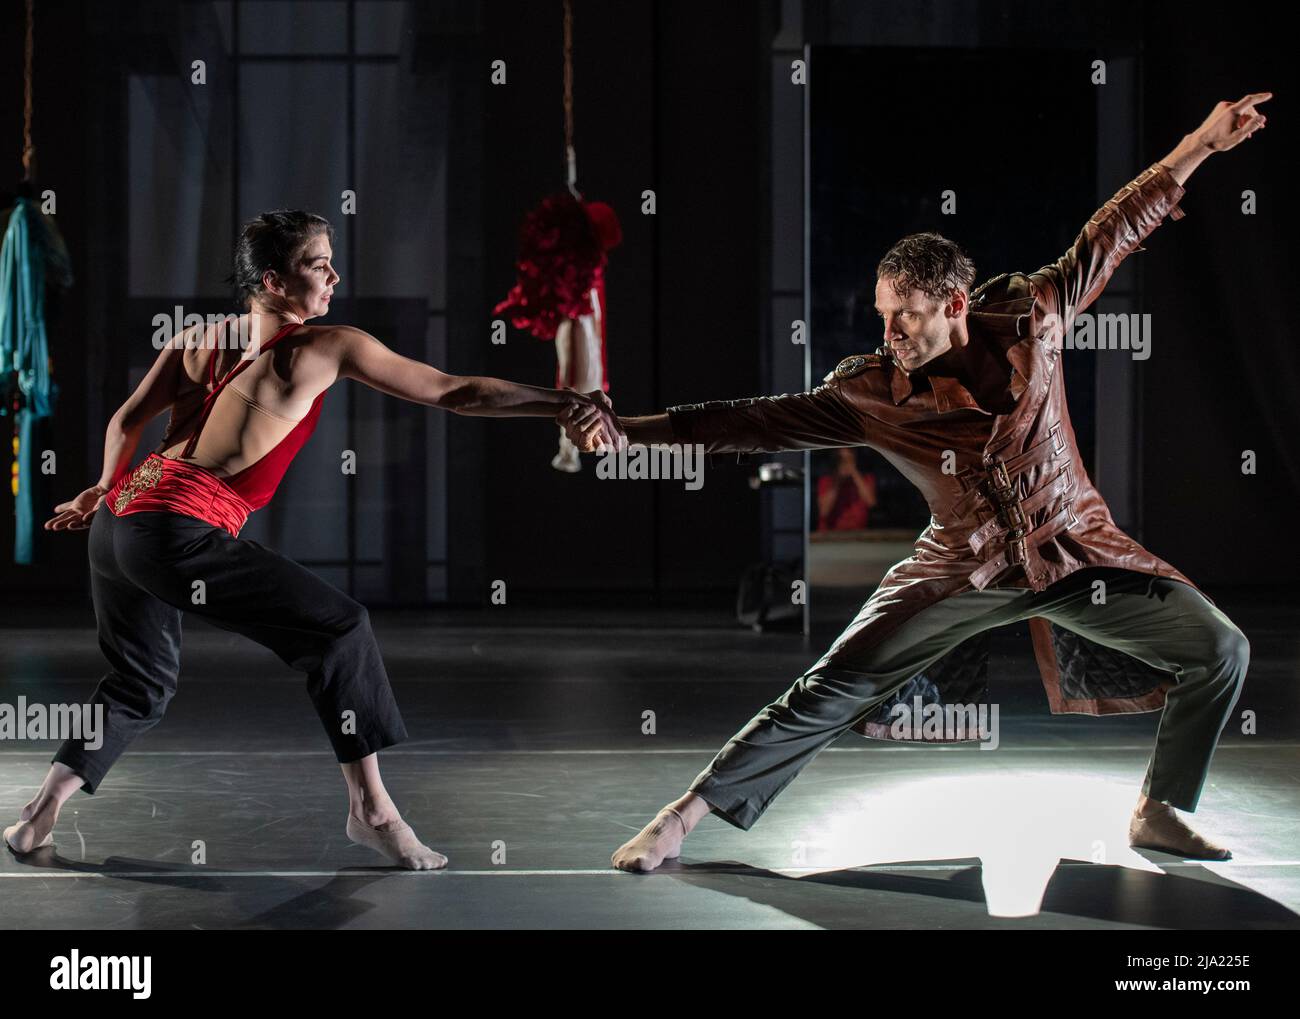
point(270, 242)
point(928, 262)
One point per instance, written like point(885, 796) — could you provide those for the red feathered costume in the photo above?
point(560, 292)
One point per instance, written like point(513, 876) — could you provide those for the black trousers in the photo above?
point(148, 568)
point(1163, 622)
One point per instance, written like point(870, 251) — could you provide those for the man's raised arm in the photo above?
point(1071, 283)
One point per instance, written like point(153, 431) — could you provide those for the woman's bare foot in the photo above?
point(373, 820)
point(35, 826)
point(662, 838)
point(36, 820)
point(395, 839)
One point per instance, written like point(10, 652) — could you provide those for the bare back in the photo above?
point(259, 407)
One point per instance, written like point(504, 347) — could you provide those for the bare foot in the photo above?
point(395, 839)
point(659, 840)
point(34, 828)
point(1156, 825)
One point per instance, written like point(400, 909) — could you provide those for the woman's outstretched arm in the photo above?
point(364, 358)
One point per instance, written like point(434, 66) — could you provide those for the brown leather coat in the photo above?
point(1011, 504)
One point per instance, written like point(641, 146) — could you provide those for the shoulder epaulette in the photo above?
point(979, 292)
point(855, 364)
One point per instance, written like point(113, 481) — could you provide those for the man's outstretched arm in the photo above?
point(822, 418)
point(649, 430)
point(1070, 284)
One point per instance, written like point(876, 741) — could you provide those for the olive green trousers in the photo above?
point(1165, 623)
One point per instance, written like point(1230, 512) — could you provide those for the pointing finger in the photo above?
point(1251, 100)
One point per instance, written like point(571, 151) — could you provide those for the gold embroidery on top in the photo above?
point(145, 476)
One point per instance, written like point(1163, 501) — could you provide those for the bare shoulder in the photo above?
point(192, 347)
point(324, 351)
point(332, 340)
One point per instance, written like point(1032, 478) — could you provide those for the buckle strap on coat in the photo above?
point(1034, 454)
point(975, 480)
point(1010, 525)
point(1021, 510)
point(1015, 553)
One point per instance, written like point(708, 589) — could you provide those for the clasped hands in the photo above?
point(591, 424)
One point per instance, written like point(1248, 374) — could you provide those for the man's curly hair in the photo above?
point(928, 262)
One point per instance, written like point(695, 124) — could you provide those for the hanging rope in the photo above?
point(29, 48)
point(571, 157)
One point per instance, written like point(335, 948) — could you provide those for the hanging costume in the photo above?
point(32, 256)
point(165, 541)
point(560, 293)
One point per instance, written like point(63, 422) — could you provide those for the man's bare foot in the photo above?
point(1156, 825)
point(34, 828)
point(659, 840)
point(395, 839)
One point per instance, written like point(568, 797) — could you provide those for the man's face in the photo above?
point(917, 328)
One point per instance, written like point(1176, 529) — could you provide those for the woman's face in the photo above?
point(309, 284)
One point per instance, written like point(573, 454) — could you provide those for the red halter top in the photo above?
point(161, 483)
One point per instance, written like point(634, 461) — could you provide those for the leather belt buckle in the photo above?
point(1058, 443)
point(1014, 516)
point(998, 477)
point(1016, 551)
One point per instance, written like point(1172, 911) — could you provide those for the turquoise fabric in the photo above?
point(25, 367)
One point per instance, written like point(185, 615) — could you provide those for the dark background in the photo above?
point(871, 187)
point(688, 99)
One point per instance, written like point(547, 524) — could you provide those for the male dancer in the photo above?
point(967, 399)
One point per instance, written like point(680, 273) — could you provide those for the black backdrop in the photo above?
point(671, 97)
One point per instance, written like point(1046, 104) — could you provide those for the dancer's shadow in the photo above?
point(1105, 893)
point(1055, 843)
point(297, 904)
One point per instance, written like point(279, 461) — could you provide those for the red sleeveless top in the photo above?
point(161, 483)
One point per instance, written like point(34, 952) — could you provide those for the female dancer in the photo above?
point(169, 529)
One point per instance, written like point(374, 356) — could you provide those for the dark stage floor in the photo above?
point(527, 767)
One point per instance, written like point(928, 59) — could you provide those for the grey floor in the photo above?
point(527, 766)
